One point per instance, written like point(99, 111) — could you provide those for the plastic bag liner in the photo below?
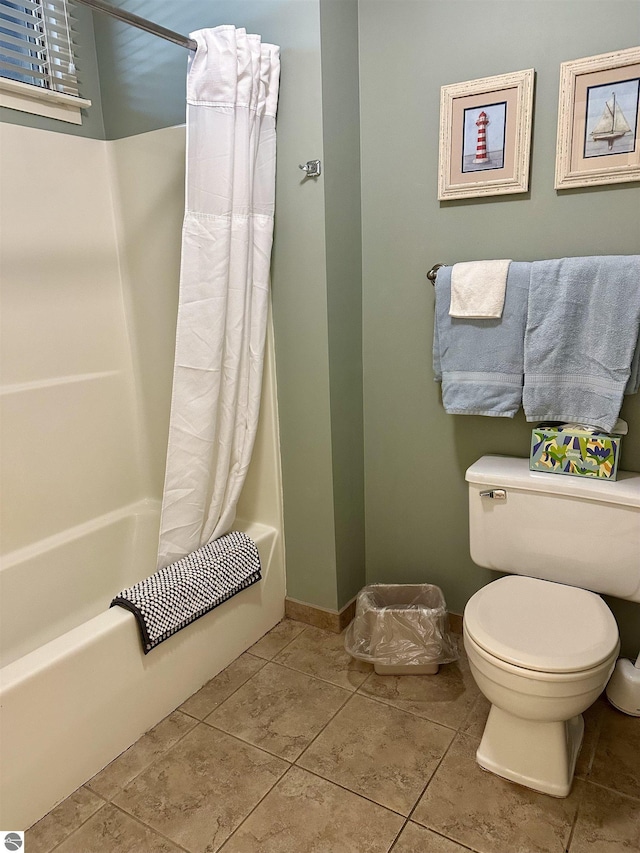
point(401, 625)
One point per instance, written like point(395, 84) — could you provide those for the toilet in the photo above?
point(541, 643)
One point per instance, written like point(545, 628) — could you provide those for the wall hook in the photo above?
point(312, 168)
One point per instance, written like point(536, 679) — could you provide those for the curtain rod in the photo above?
point(141, 23)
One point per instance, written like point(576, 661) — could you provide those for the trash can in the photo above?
point(402, 629)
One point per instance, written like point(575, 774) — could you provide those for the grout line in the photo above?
point(315, 677)
point(90, 790)
point(80, 825)
point(367, 679)
point(246, 742)
point(447, 838)
point(358, 793)
point(430, 779)
point(246, 817)
point(317, 735)
point(596, 742)
point(394, 704)
point(124, 810)
point(351, 791)
point(388, 703)
point(290, 669)
point(440, 835)
point(575, 819)
point(306, 769)
point(215, 707)
point(274, 754)
point(350, 693)
point(435, 832)
point(191, 717)
point(391, 703)
point(286, 645)
point(400, 831)
point(150, 764)
point(149, 827)
point(476, 739)
point(612, 790)
point(470, 712)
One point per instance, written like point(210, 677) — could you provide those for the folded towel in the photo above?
point(184, 591)
point(478, 288)
point(480, 362)
point(582, 331)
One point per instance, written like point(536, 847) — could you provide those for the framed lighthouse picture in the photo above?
point(599, 120)
point(485, 136)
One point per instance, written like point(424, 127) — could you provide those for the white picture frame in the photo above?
point(596, 91)
point(496, 112)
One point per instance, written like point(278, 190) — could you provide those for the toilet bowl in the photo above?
point(541, 643)
point(541, 652)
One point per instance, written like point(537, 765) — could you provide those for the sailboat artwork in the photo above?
point(611, 126)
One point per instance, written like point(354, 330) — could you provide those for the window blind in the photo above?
point(36, 44)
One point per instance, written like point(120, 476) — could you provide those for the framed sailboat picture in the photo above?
point(485, 136)
point(599, 120)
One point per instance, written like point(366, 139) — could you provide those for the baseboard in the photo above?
point(320, 617)
point(337, 621)
point(455, 622)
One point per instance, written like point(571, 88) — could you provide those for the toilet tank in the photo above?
point(582, 532)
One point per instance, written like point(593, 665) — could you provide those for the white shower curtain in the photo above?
point(232, 92)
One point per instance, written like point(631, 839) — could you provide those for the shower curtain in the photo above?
point(232, 92)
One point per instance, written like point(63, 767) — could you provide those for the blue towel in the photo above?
point(633, 385)
point(481, 362)
point(582, 330)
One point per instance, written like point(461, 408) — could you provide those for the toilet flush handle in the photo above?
point(495, 494)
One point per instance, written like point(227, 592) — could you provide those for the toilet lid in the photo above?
point(540, 625)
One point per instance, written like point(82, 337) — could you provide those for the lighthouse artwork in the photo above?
point(484, 137)
point(481, 148)
point(612, 114)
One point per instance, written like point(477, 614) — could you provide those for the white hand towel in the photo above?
point(478, 288)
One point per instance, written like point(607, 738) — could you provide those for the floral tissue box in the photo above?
point(581, 451)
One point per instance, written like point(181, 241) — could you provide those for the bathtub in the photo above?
point(75, 687)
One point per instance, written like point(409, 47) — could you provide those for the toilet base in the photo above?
point(537, 754)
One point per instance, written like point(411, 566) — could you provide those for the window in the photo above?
point(37, 67)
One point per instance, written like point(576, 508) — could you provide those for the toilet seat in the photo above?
point(540, 625)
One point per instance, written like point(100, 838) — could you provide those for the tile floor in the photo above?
point(296, 748)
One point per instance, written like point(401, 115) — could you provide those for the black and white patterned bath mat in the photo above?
point(179, 594)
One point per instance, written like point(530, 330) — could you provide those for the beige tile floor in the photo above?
point(296, 748)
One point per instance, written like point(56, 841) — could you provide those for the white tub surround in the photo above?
point(88, 313)
point(76, 689)
point(72, 704)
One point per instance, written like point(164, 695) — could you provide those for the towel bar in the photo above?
point(431, 275)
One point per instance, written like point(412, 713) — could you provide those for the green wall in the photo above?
point(343, 239)
point(415, 454)
point(143, 77)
